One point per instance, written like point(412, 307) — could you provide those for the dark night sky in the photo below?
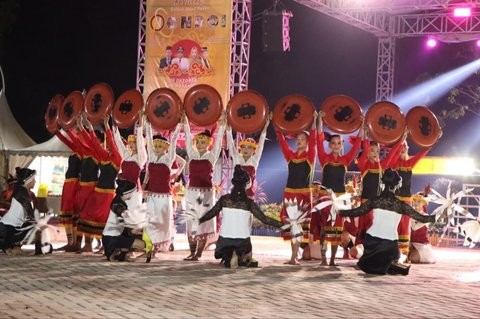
point(59, 46)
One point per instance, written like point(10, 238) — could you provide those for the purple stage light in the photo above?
point(478, 43)
point(462, 12)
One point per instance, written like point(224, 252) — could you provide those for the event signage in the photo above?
point(188, 42)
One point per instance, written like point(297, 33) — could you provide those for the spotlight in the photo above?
point(431, 42)
point(462, 12)
point(478, 43)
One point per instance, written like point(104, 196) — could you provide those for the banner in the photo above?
point(188, 43)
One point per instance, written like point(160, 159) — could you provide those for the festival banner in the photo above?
point(188, 43)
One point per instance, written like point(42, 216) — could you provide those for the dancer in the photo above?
point(69, 213)
point(234, 246)
point(88, 177)
point(134, 159)
point(201, 162)
point(247, 154)
point(20, 212)
point(404, 165)
point(97, 207)
point(371, 168)
point(420, 251)
point(334, 167)
point(301, 164)
point(381, 241)
point(161, 155)
point(118, 240)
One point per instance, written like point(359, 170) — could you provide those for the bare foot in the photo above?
point(85, 249)
point(188, 258)
point(292, 262)
point(324, 262)
point(332, 264)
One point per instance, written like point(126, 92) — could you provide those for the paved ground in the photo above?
point(72, 286)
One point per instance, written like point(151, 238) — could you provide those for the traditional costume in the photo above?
point(68, 215)
point(200, 184)
point(381, 241)
point(300, 175)
point(420, 249)
point(132, 164)
point(20, 212)
point(404, 168)
point(159, 188)
point(334, 169)
point(115, 236)
point(251, 164)
point(371, 175)
point(237, 209)
point(97, 207)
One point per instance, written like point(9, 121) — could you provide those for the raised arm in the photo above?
point(66, 141)
point(348, 158)
point(322, 155)
point(261, 142)
point(362, 160)
point(217, 146)
point(286, 150)
point(141, 150)
point(114, 154)
point(411, 162)
point(312, 143)
point(391, 154)
point(232, 147)
point(363, 209)
point(188, 138)
point(119, 142)
point(173, 145)
point(257, 212)
point(151, 154)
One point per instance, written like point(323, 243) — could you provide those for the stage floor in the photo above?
point(66, 285)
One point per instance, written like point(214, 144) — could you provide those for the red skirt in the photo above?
point(85, 190)
point(303, 197)
point(95, 214)
point(68, 210)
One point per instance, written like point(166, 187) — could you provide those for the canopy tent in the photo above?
point(12, 135)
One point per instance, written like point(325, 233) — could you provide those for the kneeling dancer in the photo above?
point(381, 241)
point(234, 246)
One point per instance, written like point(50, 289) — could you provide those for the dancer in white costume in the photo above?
point(201, 162)
point(247, 155)
point(134, 159)
point(161, 155)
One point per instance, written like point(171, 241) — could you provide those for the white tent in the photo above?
point(12, 136)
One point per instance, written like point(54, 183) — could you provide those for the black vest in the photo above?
point(334, 177)
point(406, 189)
point(88, 170)
point(370, 185)
point(74, 163)
point(299, 174)
point(108, 175)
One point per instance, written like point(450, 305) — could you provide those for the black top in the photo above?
point(241, 203)
point(388, 201)
point(299, 174)
point(74, 163)
point(334, 177)
point(370, 185)
point(88, 170)
point(118, 206)
point(406, 189)
point(22, 195)
point(108, 175)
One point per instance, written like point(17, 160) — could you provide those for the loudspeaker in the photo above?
point(272, 32)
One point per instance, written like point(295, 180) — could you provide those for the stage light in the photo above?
point(431, 43)
point(478, 43)
point(462, 12)
point(463, 166)
point(430, 91)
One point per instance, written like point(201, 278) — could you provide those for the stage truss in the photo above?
point(240, 54)
point(393, 19)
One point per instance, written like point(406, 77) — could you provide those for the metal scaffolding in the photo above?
point(240, 54)
point(393, 19)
